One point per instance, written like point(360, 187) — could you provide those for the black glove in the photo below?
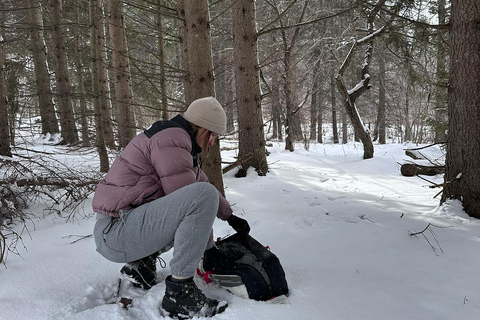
point(238, 224)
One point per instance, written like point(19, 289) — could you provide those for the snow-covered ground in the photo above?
point(339, 224)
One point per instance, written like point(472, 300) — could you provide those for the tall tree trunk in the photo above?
point(161, 62)
point(5, 149)
point(223, 61)
point(291, 111)
point(297, 101)
point(42, 78)
point(249, 108)
point(99, 123)
point(290, 107)
point(462, 174)
point(199, 82)
point(315, 95)
point(182, 33)
point(320, 117)
point(350, 96)
point(103, 84)
point(224, 87)
point(79, 72)
point(123, 97)
point(333, 94)
point(69, 130)
point(441, 75)
point(276, 109)
point(381, 102)
point(406, 110)
point(344, 127)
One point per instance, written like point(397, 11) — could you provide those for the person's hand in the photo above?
point(238, 224)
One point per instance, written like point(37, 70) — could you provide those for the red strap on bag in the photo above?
point(205, 276)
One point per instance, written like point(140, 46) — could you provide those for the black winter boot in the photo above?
point(184, 300)
point(143, 272)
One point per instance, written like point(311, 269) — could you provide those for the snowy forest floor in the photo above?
point(339, 224)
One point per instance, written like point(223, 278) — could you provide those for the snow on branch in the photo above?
point(370, 36)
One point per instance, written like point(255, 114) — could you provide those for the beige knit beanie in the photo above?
point(207, 113)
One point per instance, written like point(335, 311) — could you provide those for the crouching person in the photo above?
point(156, 196)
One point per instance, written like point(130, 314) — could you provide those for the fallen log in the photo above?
point(412, 169)
point(417, 155)
point(236, 163)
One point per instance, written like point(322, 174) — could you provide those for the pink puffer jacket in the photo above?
point(150, 168)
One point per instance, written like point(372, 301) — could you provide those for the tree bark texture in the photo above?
point(315, 96)
point(182, 39)
point(103, 87)
point(99, 124)
point(355, 119)
point(80, 80)
point(199, 82)
point(5, 149)
point(381, 102)
point(276, 110)
point(161, 62)
point(68, 129)
point(441, 75)
point(333, 94)
point(42, 78)
point(406, 111)
point(462, 175)
point(343, 113)
point(123, 97)
point(249, 109)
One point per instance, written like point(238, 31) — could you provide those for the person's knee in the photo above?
point(207, 190)
point(208, 195)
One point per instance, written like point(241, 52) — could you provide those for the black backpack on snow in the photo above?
point(250, 270)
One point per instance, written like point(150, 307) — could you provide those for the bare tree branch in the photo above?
point(264, 30)
point(428, 227)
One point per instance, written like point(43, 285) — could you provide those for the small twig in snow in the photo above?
point(428, 227)
point(80, 237)
point(364, 217)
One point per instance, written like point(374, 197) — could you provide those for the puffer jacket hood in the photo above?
point(155, 163)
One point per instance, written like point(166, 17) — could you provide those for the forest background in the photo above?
point(98, 72)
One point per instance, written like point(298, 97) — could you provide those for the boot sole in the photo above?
point(169, 305)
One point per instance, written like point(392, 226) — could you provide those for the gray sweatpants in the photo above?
point(185, 216)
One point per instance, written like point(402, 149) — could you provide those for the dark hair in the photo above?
point(205, 147)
